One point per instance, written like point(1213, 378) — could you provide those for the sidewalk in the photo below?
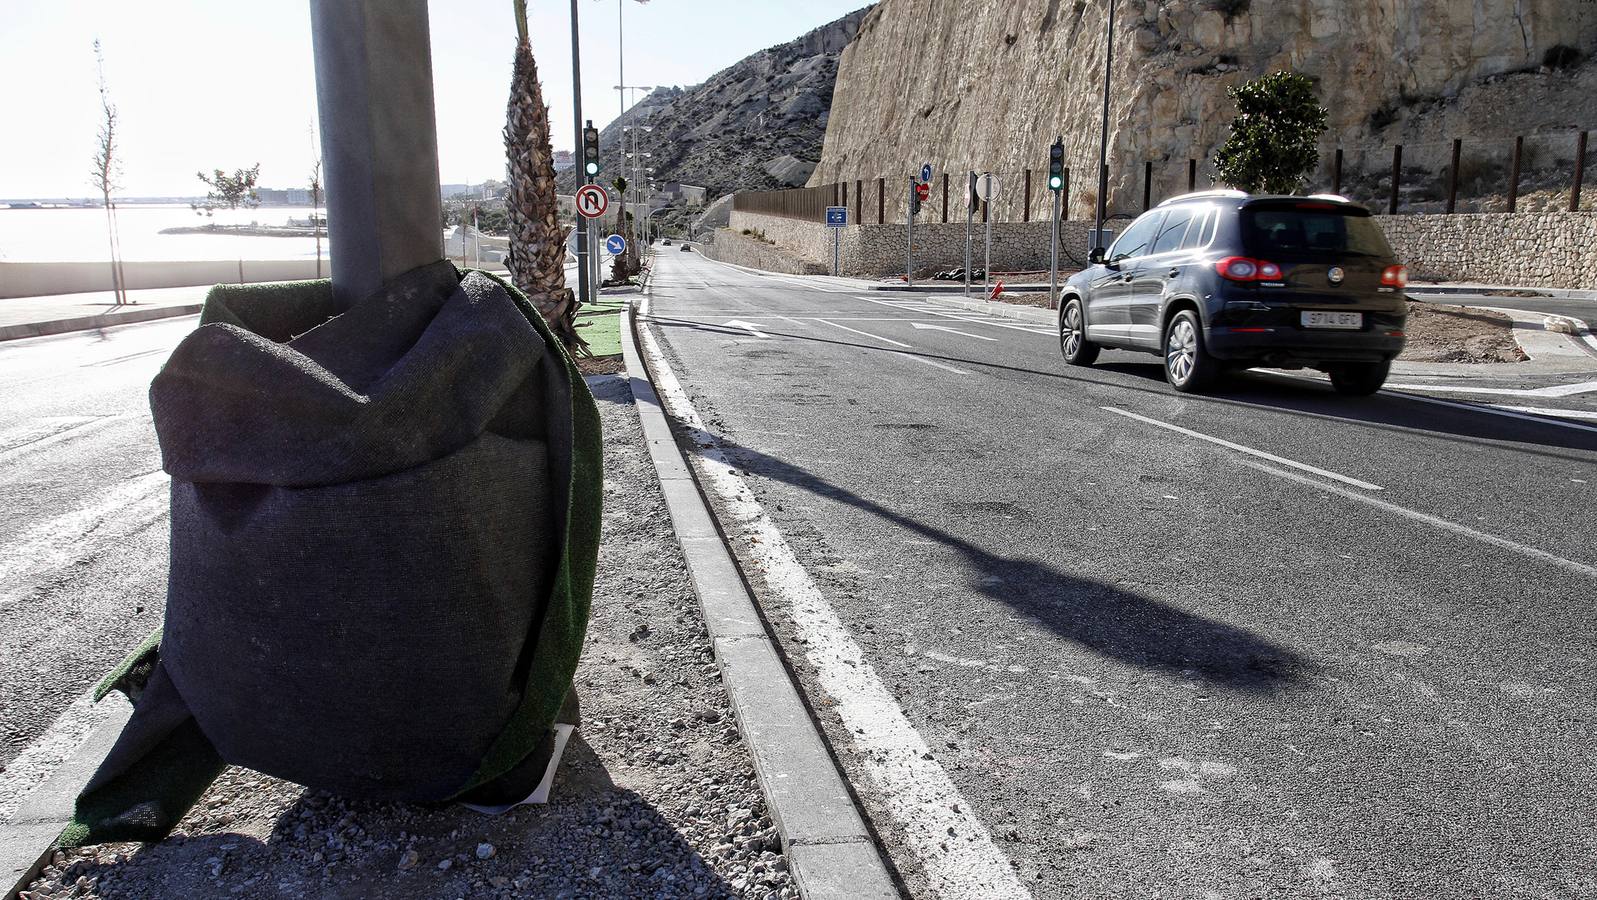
point(22, 317)
point(656, 795)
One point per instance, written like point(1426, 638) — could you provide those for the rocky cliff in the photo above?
point(756, 125)
point(990, 85)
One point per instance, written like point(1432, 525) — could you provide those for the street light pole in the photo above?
point(374, 89)
point(580, 226)
point(1103, 141)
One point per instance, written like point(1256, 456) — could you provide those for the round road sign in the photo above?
point(615, 244)
point(592, 201)
point(987, 187)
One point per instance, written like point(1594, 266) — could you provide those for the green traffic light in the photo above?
point(1055, 183)
point(593, 168)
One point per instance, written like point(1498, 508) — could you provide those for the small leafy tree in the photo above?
point(229, 191)
point(1274, 142)
point(316, 214)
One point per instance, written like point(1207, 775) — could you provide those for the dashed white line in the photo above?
point(960, 860)
point(874, 337)
point(1240, 448)
point(1436, 522)
point(1494, 410)
point(1557, 390)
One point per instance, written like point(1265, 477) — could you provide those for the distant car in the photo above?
point(1223, 280)
point(687, 248)
point(666, 241)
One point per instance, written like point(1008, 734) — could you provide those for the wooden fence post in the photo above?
point(1147, 185)
point(1025, 213)
point(881, 201)
point(1452, 176)
point(1192, 175)
point(1580, 172)
point(1336, 173)
point(1513, 175)
point(945, 198)
point(1397, 178)
point(1064, 197)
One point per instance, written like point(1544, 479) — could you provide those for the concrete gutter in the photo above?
point(104, 320)
point(830, 849)
point(28, 839)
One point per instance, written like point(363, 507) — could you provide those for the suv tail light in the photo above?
point(1241, 268)
point(1395, 276)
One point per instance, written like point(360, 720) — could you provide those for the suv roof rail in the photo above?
point(1334, 197)
point(1199, 195)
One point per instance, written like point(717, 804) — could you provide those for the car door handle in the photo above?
point(1126, 278)
point(1174, 272)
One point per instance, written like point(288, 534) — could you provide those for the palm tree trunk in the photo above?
point(537, 255)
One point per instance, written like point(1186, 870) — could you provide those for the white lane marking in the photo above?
point(1281, 460)
point(954, 846)
point(1029, 329)
point(750, 327)
point(1435, 522)
point(57, 543)
point(1550, 411)
point(1494, 410)
point(874, 337)
point(905, 353)
point(1557, 390)
point(923, 327)
point(34, 766)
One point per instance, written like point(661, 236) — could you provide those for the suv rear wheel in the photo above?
point(1359, 379)
point(1073, 343)
point(1187, 364)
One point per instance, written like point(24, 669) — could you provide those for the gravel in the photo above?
point(1459, 334)
point(656, 795)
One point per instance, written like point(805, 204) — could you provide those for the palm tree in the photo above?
point(537, 251)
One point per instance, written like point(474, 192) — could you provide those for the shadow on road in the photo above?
point(1136, 630)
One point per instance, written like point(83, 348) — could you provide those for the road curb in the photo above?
point(1002, 310)
point(28, 839)
point(943, 286)
point(1493, 291)
point(830, 850)
point(103, 320)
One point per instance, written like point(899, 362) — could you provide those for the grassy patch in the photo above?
point(600, 325)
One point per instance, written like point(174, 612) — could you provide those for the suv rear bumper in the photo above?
point(1296, 346)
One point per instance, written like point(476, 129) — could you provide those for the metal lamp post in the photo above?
point(374, 88)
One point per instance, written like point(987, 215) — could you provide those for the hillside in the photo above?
point(753, 126)
point(991, 84)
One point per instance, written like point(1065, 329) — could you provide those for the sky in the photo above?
point(206, 84)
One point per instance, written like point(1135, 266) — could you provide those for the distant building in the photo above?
point(565, 159)
point(685, 194)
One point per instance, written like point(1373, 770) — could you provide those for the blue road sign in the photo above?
point(926, 172)
point(615, 244)
point(836, 216)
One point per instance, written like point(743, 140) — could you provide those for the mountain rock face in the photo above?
point(757, 125)
point(990, 85)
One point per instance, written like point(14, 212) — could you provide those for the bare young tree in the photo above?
point(107, 169)
point(316, 205)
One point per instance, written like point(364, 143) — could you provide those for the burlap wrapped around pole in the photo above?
point(385, 525)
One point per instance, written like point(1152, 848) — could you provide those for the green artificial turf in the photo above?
point(600, 325)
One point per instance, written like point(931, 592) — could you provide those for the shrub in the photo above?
point(1274, 142)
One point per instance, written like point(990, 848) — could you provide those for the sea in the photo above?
point(79, 234)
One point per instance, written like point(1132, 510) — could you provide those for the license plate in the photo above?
point(1345, 320)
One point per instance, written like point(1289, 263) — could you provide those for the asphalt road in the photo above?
point(1155, 665)
point(83, 524)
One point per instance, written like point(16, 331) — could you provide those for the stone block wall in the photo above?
point(1534, 249)
point(732, 247)
point(871, 251)
point(1545, 249)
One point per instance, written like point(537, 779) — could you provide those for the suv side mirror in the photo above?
point(1096, 257)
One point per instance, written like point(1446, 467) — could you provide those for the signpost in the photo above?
point(987, 190)
point(909, 232)
point(1056, 184)
point(592, 201)
point(837, 220)
point(970, 219)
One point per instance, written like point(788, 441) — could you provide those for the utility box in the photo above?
point(1097, 237)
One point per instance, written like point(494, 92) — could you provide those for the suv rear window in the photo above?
point(1308, 227)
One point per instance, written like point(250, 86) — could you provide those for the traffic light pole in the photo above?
point(580, 231)
point(970, 221)
point(1053, 258)
point(909, 235)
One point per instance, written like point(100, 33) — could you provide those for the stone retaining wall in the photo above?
point(1543, 249)
point(1547, 249)
point(732, 247)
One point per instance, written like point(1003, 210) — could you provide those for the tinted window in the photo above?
point(1174, 229)
point(1311, 228)
point(1201, 231)
point(1138, 238)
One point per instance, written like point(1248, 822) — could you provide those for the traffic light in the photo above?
point(590, 149)
point(1056, 166)
point(921, 193)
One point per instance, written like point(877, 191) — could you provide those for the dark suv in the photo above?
point(1224, 280)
